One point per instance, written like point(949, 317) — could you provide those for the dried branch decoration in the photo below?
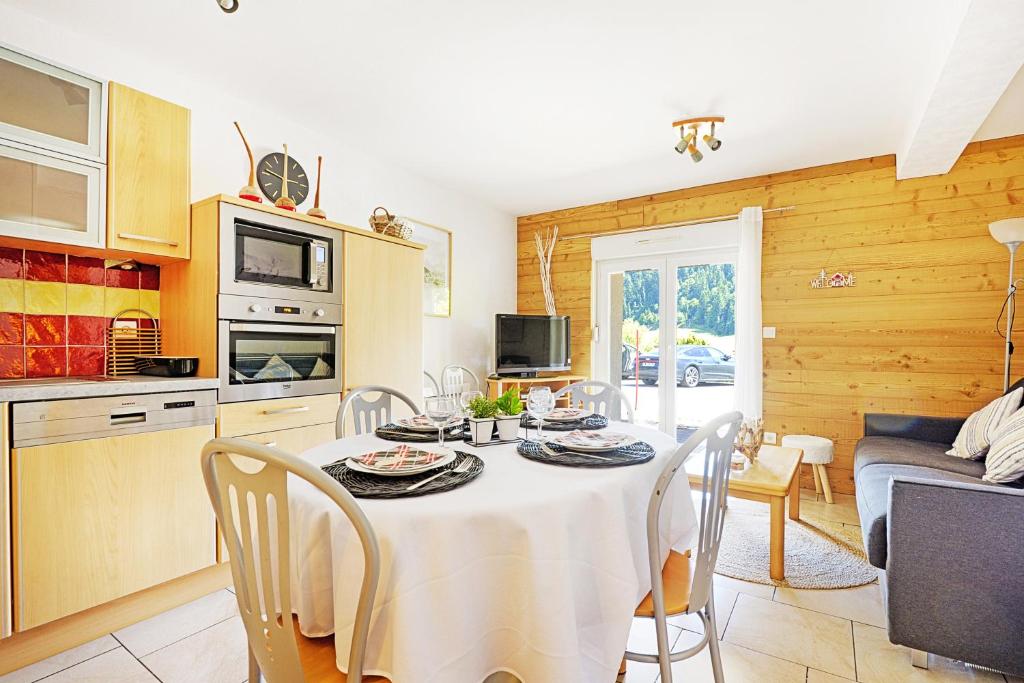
point(545, 247)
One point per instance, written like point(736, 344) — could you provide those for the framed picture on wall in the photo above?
point(437, 266)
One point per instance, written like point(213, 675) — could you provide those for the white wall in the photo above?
point(484, 238)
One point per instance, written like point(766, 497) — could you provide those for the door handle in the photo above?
point(146, 238)
point(128, 418)
point(287, 411)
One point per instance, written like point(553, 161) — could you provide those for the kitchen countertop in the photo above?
point(47, 389)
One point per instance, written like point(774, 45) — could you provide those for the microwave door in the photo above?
point(272, 257)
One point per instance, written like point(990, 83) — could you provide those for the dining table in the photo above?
point(531, 569)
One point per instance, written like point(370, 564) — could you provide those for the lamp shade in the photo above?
point(1008, 231)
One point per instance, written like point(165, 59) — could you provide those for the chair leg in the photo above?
point(817, 481)
point(826, 487)
point(254, 668)
point(713, 647)
point(622, 667)
point(919, 658)
point(664, 650)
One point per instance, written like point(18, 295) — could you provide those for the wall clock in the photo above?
point(270, 175)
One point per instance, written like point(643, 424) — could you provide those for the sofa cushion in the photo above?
point(1005, 461)
point(890, 450)
point(980, 428)
point(872, 483)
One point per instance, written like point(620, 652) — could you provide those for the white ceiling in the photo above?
point(544, 104)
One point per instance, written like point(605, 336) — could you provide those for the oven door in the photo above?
point(272, 360)
point(272, 257)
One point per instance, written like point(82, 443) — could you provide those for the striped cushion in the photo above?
point(980, 428)
point(1005, 462)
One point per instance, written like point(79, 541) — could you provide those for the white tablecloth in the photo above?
point(532, 569)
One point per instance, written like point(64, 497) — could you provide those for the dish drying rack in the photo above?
point(125, 343)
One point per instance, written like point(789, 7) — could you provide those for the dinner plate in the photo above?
point(421, 423)
point(586, 440)
point(402, 461)
point(568, 414)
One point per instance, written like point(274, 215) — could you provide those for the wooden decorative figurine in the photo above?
point(249, 191)
point(284, 201)
point(316, 211)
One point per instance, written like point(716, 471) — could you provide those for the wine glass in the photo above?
point(539, 403)
point(467, 397)
point(440, 409)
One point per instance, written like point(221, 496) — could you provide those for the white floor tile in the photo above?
point(160, 631)
point(879, 661)
point(815, 676)
point(863, 603)
point(758, 590)
point(65, 659)
point(816, 640)
point(725, 599)
point(739, 664)
point(115, 666)
point(642, 636)
point(218, 654)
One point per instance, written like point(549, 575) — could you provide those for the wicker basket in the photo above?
point(124, 343)
point(388, 224)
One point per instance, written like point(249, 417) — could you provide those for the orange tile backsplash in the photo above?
point(55, 310)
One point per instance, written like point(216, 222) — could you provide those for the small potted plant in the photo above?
point(510, 408)
point(482, 411)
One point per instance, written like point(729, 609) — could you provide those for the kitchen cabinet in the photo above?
point(297, 439)
point(148, 182)
point(383, 314)
point(95, 520)
point(271, 415)
point(6, 616)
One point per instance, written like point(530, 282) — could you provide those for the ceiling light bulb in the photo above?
point(228, 6)
point(711, 141)
point(695, 153)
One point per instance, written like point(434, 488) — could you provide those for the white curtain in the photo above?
point(749, 365)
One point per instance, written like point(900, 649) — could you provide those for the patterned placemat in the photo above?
point(633, 454)
point(396, 432)
point(594, 421)
point(363, 485)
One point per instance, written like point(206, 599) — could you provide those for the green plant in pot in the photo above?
point(510, 408)
point(482, 412)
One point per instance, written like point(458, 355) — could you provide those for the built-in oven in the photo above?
point(264, 255)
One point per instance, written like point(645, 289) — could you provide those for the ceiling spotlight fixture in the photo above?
point(228, 6)
point(688, 138)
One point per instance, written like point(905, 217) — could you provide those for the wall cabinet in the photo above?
point(96, 520)
point(148, 183)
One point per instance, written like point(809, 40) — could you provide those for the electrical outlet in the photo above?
point(768, 332)
point(771, 437)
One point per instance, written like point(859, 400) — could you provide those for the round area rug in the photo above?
point(819, 554)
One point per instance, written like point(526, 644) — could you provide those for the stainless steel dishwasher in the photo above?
point(108, 498)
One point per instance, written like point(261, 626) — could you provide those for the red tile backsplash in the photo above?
point(12, 328)
point(59, 345)
point(85, 270)
point(42, 265)
point(12, 262)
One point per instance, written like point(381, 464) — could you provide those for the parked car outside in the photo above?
point(694, 365)
point(628, 361)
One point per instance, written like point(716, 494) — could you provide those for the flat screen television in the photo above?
point(528, 344)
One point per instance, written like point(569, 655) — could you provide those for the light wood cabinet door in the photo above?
point(383, 311)
point(99, 519)
point(296, 440)
point(274, 414)
point(147, 174)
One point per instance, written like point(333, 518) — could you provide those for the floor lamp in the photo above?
point(1011, 233)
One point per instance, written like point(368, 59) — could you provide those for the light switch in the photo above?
point(770, 437)
point(768, 332)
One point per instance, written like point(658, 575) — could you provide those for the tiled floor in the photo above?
point(768, 634)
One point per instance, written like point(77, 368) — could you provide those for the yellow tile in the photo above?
point(150, 301)
point(85, 300)
point(12, 295)
point(119, 299)
point(45, 298)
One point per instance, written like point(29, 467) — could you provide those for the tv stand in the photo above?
point(496, 386)
point(526, 374)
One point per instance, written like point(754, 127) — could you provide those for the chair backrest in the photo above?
point(367, 415)
point(457, 378)
point(718, 436)
point(600, 397)
point(252, 509)
point(430, 386)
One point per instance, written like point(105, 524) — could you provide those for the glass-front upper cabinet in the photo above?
point(50, 107)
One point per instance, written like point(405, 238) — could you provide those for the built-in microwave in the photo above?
point(269, 256)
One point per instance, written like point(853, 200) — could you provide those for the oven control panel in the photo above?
point(244, 308)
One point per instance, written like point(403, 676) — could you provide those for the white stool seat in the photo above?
point(818, 452)
point(817, 449)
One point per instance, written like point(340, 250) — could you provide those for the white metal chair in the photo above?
point(600, 397)
point(685, 585)
point(457, 378)
point(430, 386)
point(368, 415)
point(252, 510)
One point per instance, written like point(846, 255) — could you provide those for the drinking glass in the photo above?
point(440, 409)
point(467, 397)
point(539, 403)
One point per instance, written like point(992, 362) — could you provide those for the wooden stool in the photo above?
point(818, 452)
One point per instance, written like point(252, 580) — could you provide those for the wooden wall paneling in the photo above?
point(915, 335)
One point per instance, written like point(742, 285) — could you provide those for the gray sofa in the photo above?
point(949, 547)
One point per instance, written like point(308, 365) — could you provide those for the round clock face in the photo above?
point(270, 177)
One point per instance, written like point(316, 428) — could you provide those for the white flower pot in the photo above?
point(508, 427)
point(481, 429)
